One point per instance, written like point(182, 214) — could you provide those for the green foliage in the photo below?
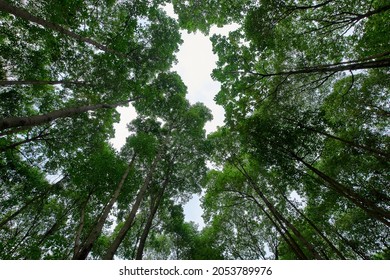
point(298, 171)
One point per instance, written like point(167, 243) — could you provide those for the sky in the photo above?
point(195, 64)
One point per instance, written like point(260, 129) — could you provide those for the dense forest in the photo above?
point(299, 170)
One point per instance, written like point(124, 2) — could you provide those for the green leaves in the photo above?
point(299, 171)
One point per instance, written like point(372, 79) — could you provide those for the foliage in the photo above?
point(299, 170)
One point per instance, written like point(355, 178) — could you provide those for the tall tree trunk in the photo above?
point(319, 232)
point(276, 253)
point(77, 242)
point(153, 210)
point(284, 233)
point(138, 237)
point(24, 14)
point(130, 218)
point(49, 117)
point(94, 234)
point(278, 215)
point(376, 212)
point(354, 248)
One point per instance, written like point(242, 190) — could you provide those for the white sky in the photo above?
point(195, 64)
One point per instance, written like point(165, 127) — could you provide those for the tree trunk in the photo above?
point(376, 152)
point(278, 215)
point(39, 197)
point(148, 225)
point(94, 234)
point(77, 243)
point(49, 117)
point(296, 232)
point(24, 14)
point(28, 140)
point(330, 68)
point(376, 212)
point(130, 218)
point(17, 212)
point(284, 233)
point(319, 232)
point(35, 82)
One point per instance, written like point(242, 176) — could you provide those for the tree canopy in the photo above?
point(299, 170)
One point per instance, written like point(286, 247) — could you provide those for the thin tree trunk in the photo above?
point(148, 225)
point(49, 117)
point(376, 212)
point(376, 152)
point(319, 232)
point(94, 234)
point(278, 215)
point(356, 250)
point(28, 140)
point(77, 242)
point(17, 212)
point(24, 14)
point(276, 253)
point(24, 207)
point(138, 235)
point(130, 218)
point(293, 8)
point(329, 68)
point(296, 232)
point(36, 82)
point(284, 233)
